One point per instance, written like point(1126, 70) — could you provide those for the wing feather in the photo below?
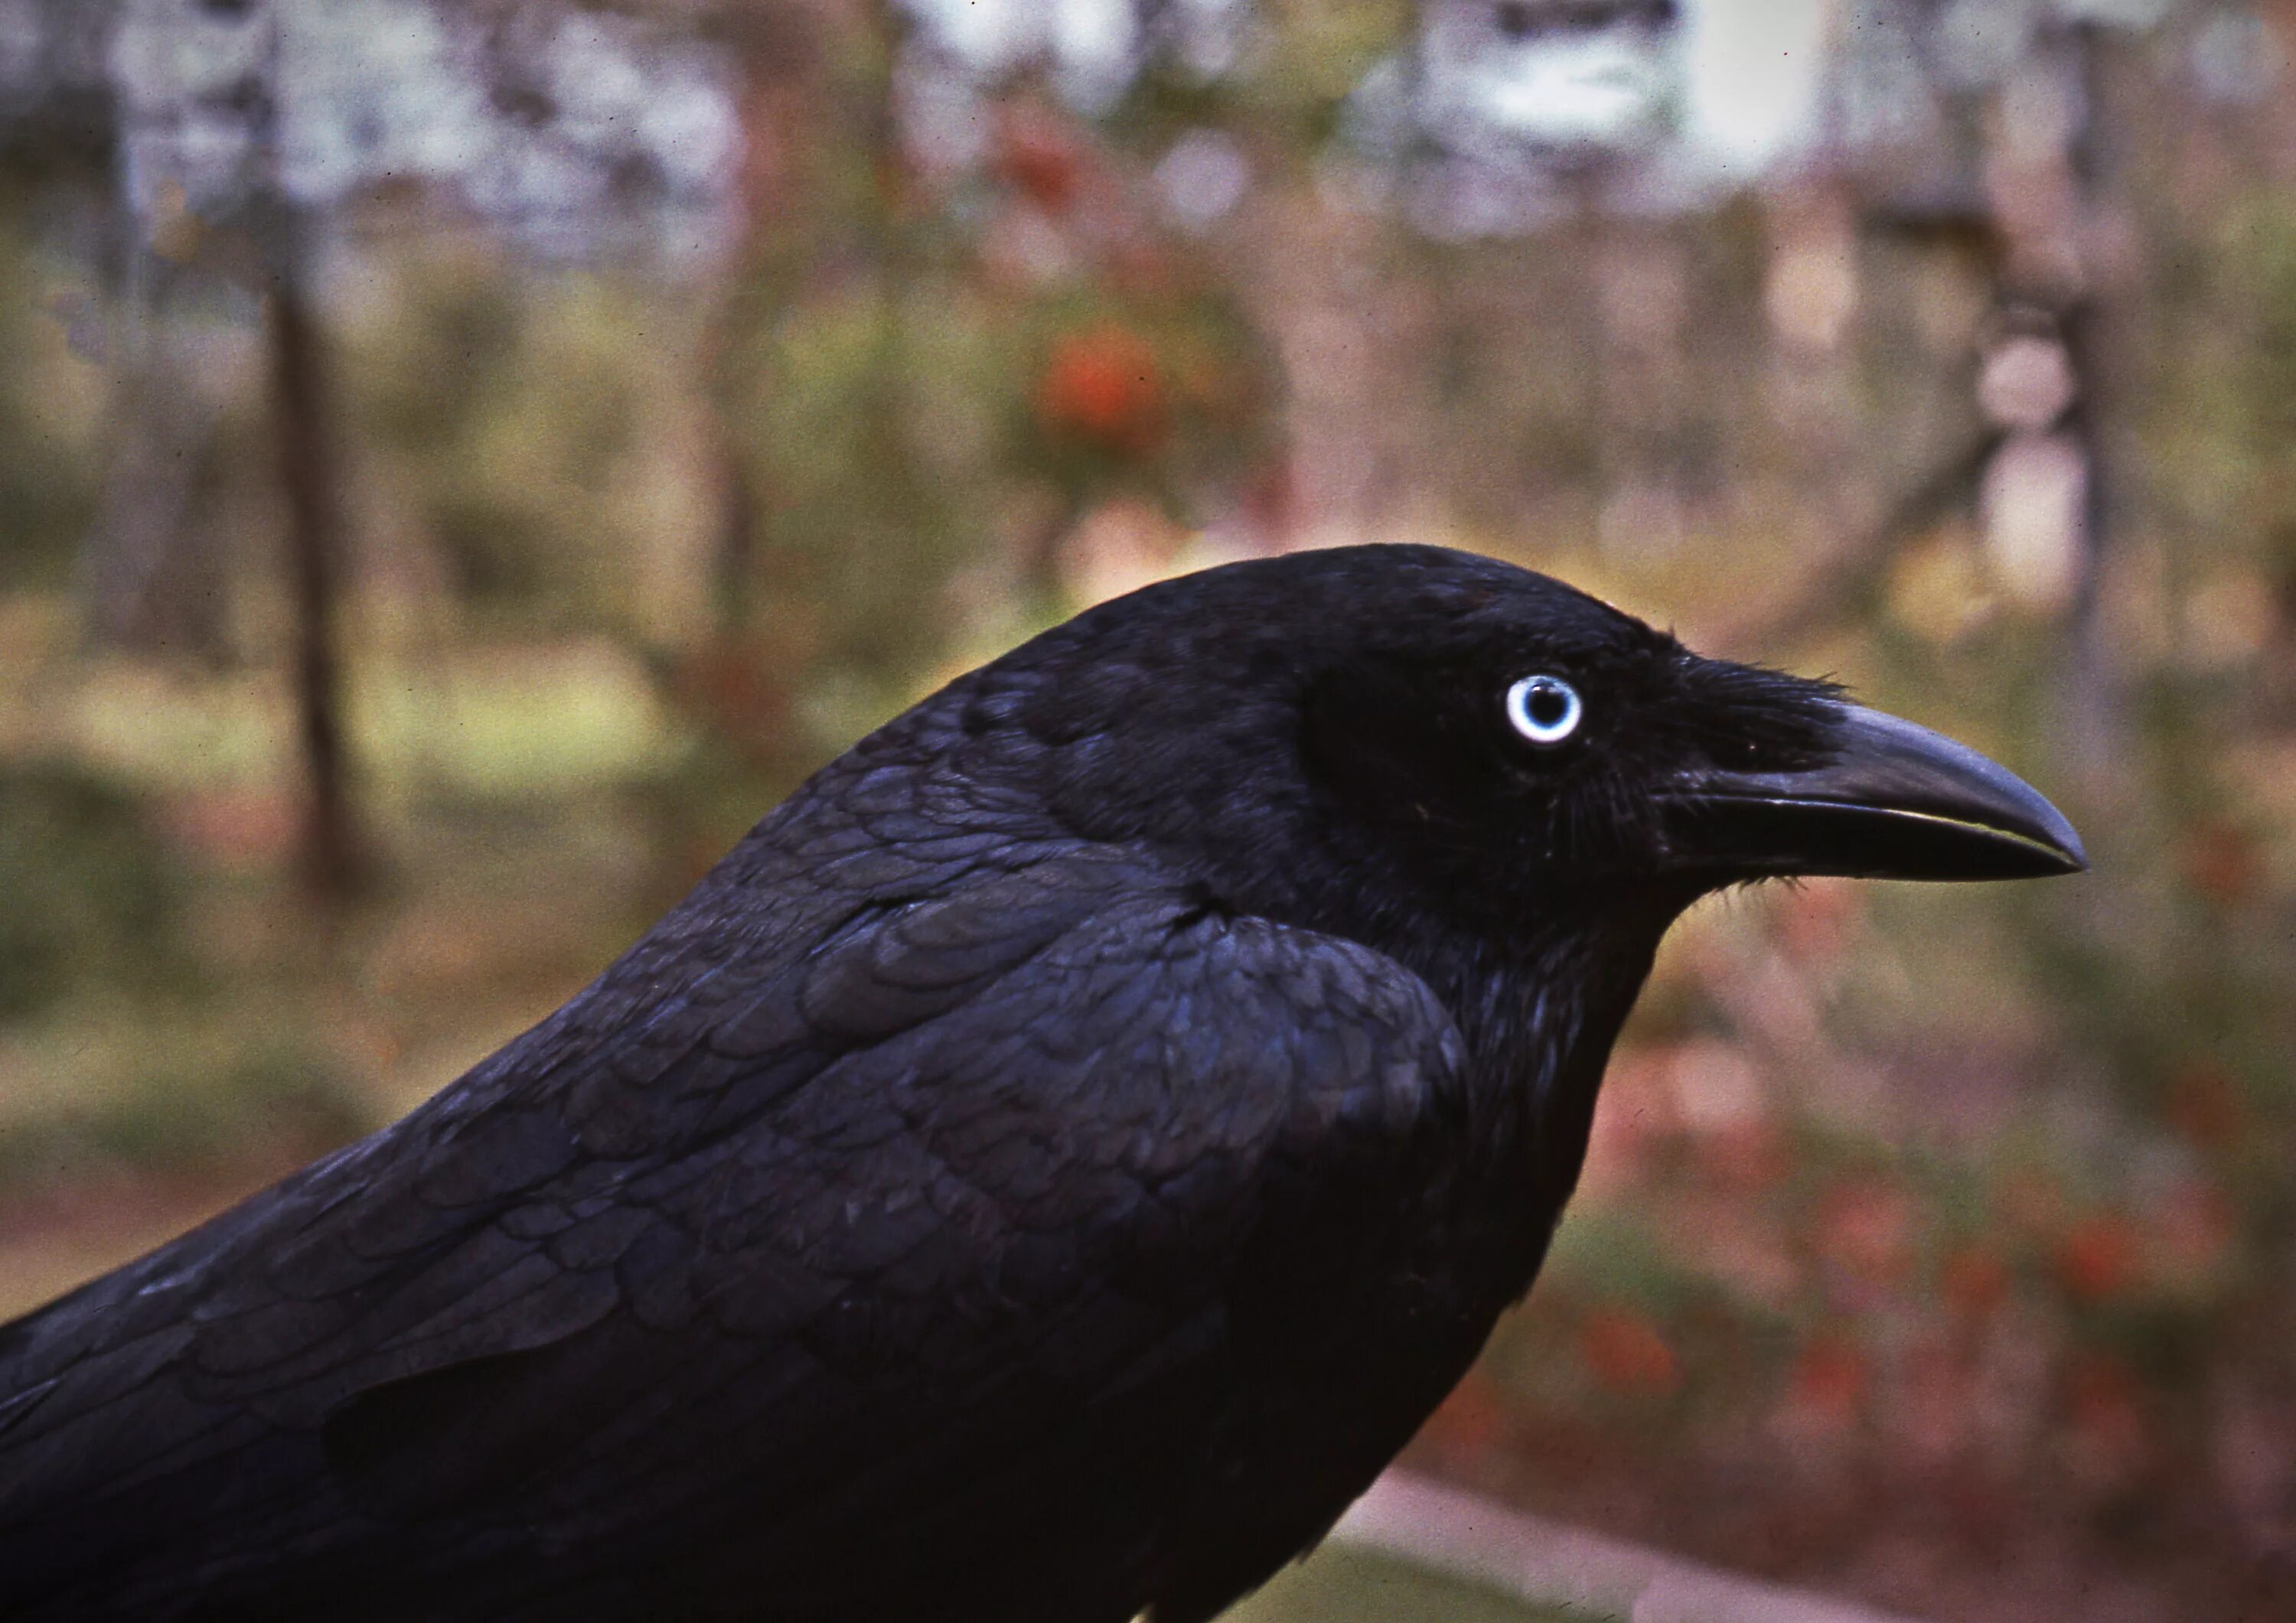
point(881, 1258)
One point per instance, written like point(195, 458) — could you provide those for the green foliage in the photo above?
point(871, 438)
point(2257, 273)
point(89, 892)
point(908, 426)
point(513, 411)
point(278, 1104)
point(51, 337)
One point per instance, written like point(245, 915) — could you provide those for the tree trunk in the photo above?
point(331, 854)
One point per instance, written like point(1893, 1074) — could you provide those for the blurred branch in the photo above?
point(1850, 580)
point(2096, 330)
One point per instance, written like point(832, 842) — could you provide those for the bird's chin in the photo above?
point(1893, 802)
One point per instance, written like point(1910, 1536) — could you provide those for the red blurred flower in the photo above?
point(2193, 1230)
point(1933, 1409)
point(2204, 1105)
point(2220, 861)
point(2097, 1261)
point(1102, 386)
point(1040, 156)
point(1864, 1226)
point(2104, 1415)
point(1973, 1282)
point(1472, 1421)
point(1627, 1353)
point(1747, 1156)
point(1829, 1381)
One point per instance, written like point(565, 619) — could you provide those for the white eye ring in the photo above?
point(1545, 709)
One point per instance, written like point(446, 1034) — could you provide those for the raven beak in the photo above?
point(1895, 801)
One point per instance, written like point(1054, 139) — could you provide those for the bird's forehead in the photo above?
point(1504, 621)
point(1547, 614)
point(1276, 618)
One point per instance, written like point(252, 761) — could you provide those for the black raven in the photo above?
point(1040, 1176)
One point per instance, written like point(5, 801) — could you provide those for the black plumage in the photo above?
point(1042, 1174)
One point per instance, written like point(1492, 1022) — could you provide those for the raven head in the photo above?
point(1362, 737)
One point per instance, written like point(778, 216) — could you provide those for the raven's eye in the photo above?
point(1545, 709)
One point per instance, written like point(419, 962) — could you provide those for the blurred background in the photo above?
point(460, 463)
